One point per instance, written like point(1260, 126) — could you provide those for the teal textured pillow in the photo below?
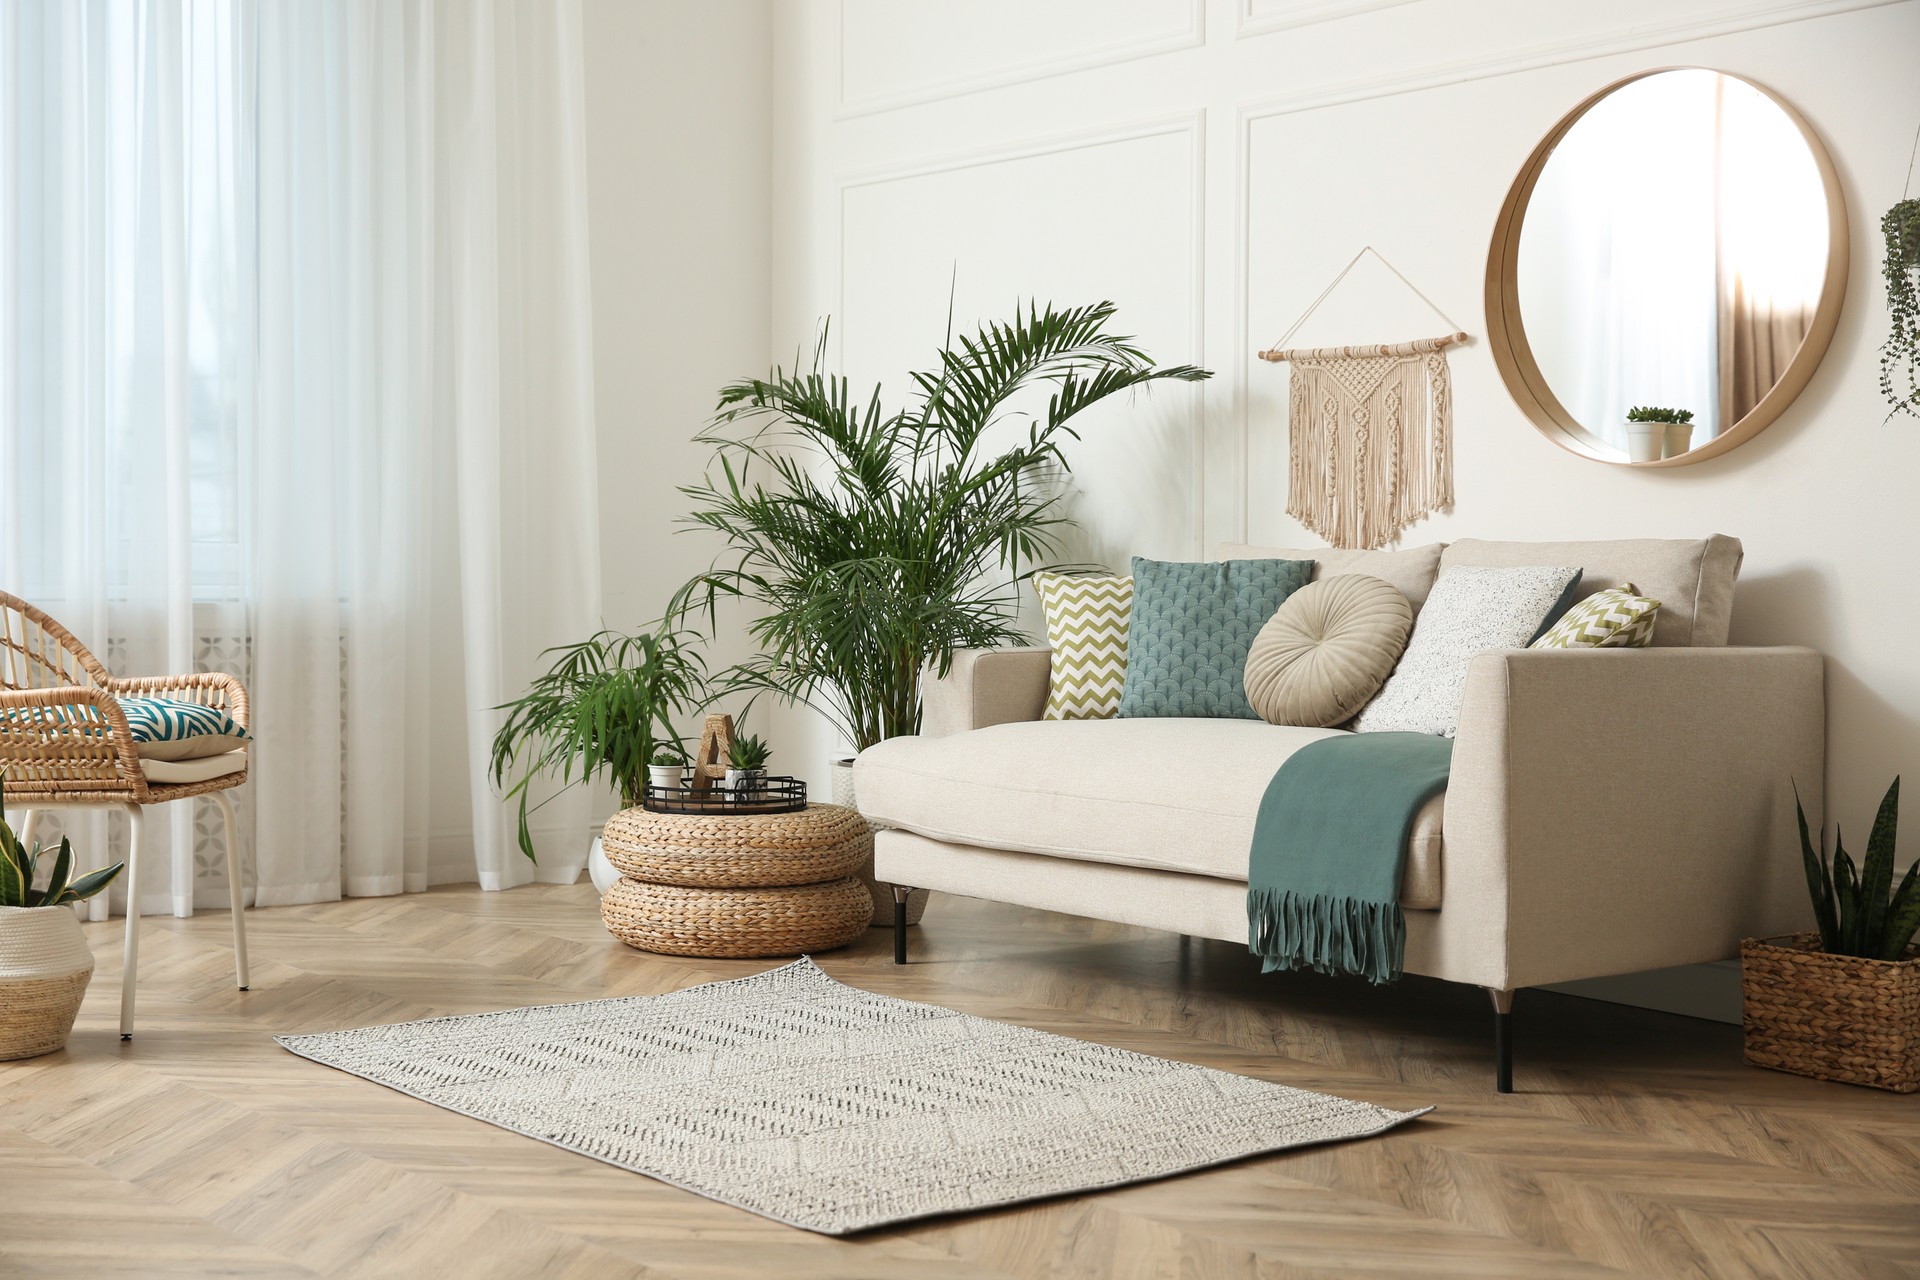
point(1191, 629)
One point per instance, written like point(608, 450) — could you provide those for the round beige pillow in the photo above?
point(1329, 649)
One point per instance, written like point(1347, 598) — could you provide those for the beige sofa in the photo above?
point(1609, 811)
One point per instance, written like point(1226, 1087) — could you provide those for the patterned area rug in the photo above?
point(826, 1107)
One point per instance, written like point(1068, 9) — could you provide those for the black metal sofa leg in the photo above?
point(900, 893)
point(1502, 1040)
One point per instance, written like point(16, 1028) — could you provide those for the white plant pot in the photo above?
point(45, 966)
point(1646, 441)
point(666, 776)
point(603, 873)
point(1679, 439)
point(745, 783)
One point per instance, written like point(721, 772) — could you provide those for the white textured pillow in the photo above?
point(1470, 611)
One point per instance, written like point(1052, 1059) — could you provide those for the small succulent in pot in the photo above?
point(1653, 434)
point(667, 767)
point(747, 765)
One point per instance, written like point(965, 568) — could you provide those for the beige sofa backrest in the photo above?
point(1412, 570)
point(1692, 578)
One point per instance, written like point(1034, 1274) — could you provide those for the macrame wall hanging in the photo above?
point(1369, 430)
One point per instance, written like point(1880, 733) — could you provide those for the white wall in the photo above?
point(1209, 165)
point(679, 118)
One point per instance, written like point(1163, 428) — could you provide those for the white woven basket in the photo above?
point(45, 966)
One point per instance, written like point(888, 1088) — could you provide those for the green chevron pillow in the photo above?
point(1617, 618)
point(1192, 627)
point(1087, 619)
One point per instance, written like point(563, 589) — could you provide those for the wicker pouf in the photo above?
point(737, 885)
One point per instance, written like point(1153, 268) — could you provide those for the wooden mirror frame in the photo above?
point(1507, 334)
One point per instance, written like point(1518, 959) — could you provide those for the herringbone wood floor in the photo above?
point(1636, 1145)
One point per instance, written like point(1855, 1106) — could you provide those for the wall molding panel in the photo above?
point(1253, 19)
point(1192, 36)
point(1191, 125)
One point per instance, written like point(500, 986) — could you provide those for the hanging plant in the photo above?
point(1900, 358)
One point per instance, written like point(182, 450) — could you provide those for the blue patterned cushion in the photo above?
point(174, 720)
point(1191, 629)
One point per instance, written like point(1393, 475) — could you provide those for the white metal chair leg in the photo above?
point(130, 967)
point(234, 891)
point(29, 823)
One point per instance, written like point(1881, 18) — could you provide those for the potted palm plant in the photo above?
point(873, 544)
point(1843, 1002)
point(604, 708)
point(45, 964)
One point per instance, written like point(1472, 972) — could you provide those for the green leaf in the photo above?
point(62, 871)
point(1846, 894)
point(13, 889)
point(1903, 916)
point(1819, 883)
point(91, 883)
point(1876, 870)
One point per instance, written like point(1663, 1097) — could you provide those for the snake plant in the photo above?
point(1857, 916)
point(19, 867)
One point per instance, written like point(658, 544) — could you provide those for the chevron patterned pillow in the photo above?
point(1087, 620)
point(1617, 618)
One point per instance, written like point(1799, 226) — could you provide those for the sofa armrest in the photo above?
point(983, 687)
point(1615, 810)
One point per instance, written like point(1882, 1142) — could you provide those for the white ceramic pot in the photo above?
point(1646, 441)
point(599, 870)
point(1679, 439)
point(45, 966)
point(666, 776)
point(748, 784)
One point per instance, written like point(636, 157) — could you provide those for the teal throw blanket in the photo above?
point(1329, 847)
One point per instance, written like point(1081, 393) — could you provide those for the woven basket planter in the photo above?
point(45, 966)
point(783, 921)
point(1842, 1018)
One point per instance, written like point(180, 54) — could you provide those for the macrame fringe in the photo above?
point(1290, 930)
point(1370, 436)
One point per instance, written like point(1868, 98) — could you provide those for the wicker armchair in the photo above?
point(64, 744)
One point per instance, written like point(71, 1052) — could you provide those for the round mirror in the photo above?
point(1668, 269)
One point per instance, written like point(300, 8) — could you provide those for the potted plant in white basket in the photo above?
point(604, 707)
point(45, 963)
point(747, 767)
point(1843, 1002)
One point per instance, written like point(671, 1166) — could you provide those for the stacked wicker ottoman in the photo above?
point(746, 884)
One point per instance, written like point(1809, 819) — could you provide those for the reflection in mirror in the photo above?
point(1672, 254)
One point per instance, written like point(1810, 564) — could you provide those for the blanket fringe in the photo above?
point(1290, 930)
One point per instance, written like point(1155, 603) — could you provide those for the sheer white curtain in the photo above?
point(296, 344)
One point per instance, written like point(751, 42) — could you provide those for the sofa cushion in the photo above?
point(1191, 628)
point(1472, 610)
point(1412, 570)
point(1329, 648)
point(1172, 794)
point(1087, 618)
point(1617, 618)
point(1692, 578)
